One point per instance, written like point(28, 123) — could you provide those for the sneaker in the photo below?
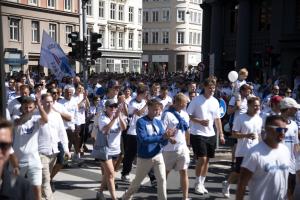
point(204, 189)
point(125, 178)
point(85, 148)
point(199, 189)
point(100, 196)
point(225, 189)
point(154, 183)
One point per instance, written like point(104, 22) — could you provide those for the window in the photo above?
point(130, 17)
point(146, 16)
point(166, 15)
point(33, 2)
point(89, 8)
point(191, 38)
point(136, 65)
point(145, 37)
point(14, 28)
point(110, 65)
point(101, 9)
point(180, 37)
point(140, 40)
point(35, 31)
point(199, 38)
point(113, 39)
point(68, 5)
point(52, 31)
point(154, 37)
point(112, 11)
point(130, 40)
point(140, 16)
point(165, 37)
point(51, 3)
point(180, 15)
point(69, 30)
point(121, 12)
point(155, 16)
point(125, 66)
point(199, 18)
point(265, 15)
point(121, 39)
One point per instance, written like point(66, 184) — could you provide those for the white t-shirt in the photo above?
point(80, 115)
point(243, 108)
point(134, 105)
point(290, 140)
point(72, 108)
point(270, 171)
point(246, 124)
point(170, 121)
point(204, 109)
point(25, 142)
point(165, 102)
point(114, 135)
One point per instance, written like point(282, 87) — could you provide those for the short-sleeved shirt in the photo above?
point(246, 124)
point(170, 121)
point(134, 105)
point(270, 168)
point(114, 135)
point(204, 109)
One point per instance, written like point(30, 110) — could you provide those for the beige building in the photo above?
point(172, 34)
point(23, 23)
point(120, 23)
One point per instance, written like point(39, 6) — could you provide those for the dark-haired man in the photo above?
point(266, 166)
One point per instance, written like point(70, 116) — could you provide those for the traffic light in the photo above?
point(94, 45)
point(76, 45)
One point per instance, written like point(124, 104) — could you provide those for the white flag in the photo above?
point(54, 58)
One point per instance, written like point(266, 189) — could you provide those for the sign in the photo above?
point(15, 61)
point(160, 58)
point(223, 107)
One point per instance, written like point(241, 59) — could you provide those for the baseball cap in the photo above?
point(112, 83)
point(288, 102)
point(276, 99)
point(111, 103)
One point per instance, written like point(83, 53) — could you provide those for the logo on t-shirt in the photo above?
point(29, 131)
point(275, 167)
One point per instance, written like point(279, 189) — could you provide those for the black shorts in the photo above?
point(238, 163)
point(203, 146)
point(61, 154)
point(291, 183)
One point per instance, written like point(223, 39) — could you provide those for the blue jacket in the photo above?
point(149, 144)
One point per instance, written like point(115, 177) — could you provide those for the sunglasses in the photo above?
point(54, 92)
point(4, 146)
point(279, 129)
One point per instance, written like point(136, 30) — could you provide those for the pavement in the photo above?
point(82, 182)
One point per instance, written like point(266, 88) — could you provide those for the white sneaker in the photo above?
point(199, 189)
point(204, 190)
point(225, 189)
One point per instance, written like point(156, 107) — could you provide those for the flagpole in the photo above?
point(2, 72)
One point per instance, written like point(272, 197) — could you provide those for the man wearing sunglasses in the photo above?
point(288, 108)
point(11, 187)
point(266, 166)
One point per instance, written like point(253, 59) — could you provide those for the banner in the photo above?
point(53, 57)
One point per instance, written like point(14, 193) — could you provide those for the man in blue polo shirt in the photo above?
point(151, 136)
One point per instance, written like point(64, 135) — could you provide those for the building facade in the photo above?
point(262, 35)
point(23, 22)
point(120, 23)
point(172, 34)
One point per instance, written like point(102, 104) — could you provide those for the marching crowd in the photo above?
point(155, 121)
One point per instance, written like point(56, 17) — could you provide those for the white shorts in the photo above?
point(33, 174)
point(177, 160)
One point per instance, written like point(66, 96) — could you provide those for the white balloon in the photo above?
point(233, 76)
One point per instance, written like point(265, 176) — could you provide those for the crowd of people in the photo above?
point(154, 122)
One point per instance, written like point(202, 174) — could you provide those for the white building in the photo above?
point(120, 23)
point(172, 34)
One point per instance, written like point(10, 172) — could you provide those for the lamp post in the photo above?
point(2, 73)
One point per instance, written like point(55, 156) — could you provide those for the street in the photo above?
point(83, 182)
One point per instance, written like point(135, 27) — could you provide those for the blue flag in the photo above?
point(53, 57)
